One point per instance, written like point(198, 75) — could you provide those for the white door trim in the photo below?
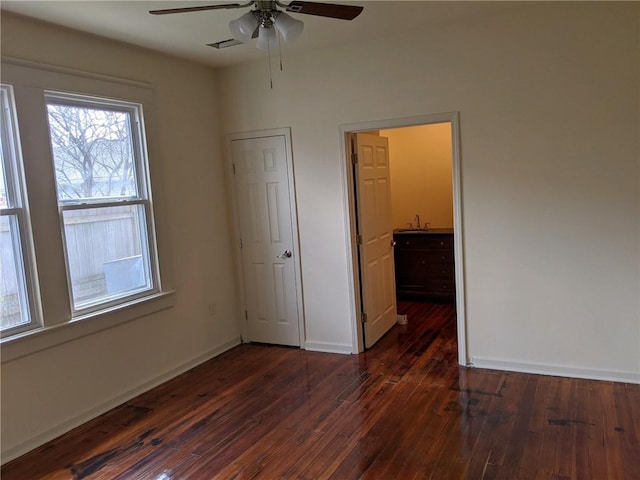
point(350, 227)
point(233, 202)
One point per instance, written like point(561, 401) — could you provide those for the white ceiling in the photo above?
point(186, 34)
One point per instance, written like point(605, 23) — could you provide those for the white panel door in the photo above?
point(377, 274)
point(267, 237)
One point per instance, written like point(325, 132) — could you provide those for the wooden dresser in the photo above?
point(424, 264)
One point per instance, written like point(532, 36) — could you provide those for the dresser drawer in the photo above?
point(439, 242)
point(440, 272)
point(444, 285)
point(436, 257)
point(424, 242)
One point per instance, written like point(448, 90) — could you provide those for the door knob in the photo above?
point(285, 254)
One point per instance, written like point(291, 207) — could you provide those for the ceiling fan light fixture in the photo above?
point(289, 27)
point(242, 28)
point(266, 37)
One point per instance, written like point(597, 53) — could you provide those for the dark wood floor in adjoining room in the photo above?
point(403, 410)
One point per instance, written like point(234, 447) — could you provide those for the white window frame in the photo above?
point(18, 209)
point(143, 198)
point(57, 323)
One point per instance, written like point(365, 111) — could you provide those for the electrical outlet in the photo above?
point(213, 309)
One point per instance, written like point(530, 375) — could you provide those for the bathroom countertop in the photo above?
point(431, 231)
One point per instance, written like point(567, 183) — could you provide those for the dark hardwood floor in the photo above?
point(403, 410)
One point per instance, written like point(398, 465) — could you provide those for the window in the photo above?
point(103, 193)
point(17, 306)
point(89, 224)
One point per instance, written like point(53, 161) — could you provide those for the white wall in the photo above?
point(548, 101)
point(48, 392)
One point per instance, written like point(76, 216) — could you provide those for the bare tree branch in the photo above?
point(92, 151)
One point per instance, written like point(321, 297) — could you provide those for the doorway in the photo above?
point(348, 133)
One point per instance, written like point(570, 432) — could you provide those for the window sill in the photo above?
point(33, 341)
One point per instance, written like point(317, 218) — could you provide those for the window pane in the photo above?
point(93, 152)
point(13, 302)
point(107, 256)
point(4, 196)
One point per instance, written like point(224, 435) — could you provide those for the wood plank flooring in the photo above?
point(403, 410)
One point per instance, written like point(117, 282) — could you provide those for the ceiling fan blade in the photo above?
point(194, 9)
point(331, 10)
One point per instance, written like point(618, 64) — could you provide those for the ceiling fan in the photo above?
point(268, 19)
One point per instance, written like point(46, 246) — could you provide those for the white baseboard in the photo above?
point(555, 370)
point(327, 347)
point(62, 428)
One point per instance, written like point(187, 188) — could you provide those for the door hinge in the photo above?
point(233, 165)
point(246, 314)
point(363, 317)
point(240, 244)
point(354, 158)
point(359, 239)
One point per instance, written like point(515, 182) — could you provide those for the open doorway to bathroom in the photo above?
point(425, 197)
point(421, 173)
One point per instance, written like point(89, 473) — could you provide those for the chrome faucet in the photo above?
point(418, 221)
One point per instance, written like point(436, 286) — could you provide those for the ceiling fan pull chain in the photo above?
point(279, 48)
point(269, 56)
